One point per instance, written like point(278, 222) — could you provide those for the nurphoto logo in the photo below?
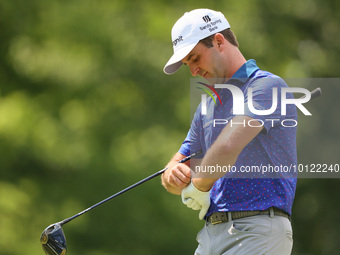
point(238, 99)
point(204, 96)
point(239, 104)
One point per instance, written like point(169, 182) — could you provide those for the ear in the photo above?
point(219, 41)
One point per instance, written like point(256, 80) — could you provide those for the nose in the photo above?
point(195, 70)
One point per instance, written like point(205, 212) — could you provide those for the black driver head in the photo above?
point(53, 240)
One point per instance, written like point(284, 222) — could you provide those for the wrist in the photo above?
point(203, 184)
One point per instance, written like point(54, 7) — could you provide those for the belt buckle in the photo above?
point(218, 218)
point(216, 222)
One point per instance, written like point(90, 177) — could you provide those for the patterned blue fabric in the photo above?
point(275, 146)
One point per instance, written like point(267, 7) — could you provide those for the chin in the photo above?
point(213, 81)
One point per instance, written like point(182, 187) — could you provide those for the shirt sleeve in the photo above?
point(185, 148)
point(192, 142)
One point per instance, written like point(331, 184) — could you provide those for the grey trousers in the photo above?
point(256, 235)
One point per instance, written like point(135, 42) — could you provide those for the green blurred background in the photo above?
point(85, 111)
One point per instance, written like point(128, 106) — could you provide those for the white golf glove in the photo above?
point(196, 199)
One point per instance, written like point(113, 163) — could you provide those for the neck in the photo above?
point(235, 60)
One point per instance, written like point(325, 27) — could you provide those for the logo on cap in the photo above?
point(206, 18)
point(177, 40)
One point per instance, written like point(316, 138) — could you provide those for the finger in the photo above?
point(179, 178)
point(191, 203)
point(185, 170)
point(183, 178)
point(203, 212)
point(187, 201)
point(175, 181)
point(196, 206)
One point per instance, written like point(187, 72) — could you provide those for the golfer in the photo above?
point(243, 214)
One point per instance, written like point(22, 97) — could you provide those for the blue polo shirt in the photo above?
point(274, 146)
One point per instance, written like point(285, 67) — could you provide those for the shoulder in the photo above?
point(265, 81)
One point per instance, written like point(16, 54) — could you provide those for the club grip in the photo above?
point(195, 154)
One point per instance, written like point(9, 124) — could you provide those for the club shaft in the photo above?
point(314, 93)
point(128, 188)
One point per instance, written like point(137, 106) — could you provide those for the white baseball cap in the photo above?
point(192, 27)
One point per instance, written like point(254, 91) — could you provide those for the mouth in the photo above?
point(204, 74)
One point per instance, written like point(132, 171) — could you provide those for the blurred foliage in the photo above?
point(85, 111)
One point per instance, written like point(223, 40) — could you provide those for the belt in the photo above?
point(219, 217)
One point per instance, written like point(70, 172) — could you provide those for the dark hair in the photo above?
point(228, 35)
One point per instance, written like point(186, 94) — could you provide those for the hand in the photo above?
point(196, 199)
point(178, 177)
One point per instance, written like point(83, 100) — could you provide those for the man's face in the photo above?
point(205, 62)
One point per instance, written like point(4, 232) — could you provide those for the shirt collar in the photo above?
point(246, 70)
point(244, 73)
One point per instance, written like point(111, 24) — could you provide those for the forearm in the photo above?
point(224, 151)
point(218, 155)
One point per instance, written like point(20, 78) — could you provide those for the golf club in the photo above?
point(315, 93)
point(53, 240)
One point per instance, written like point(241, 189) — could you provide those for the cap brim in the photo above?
point(174, 62)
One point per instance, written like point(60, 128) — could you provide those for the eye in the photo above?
point(197, 58)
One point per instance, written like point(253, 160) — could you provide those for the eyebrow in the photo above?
point(189, 57)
